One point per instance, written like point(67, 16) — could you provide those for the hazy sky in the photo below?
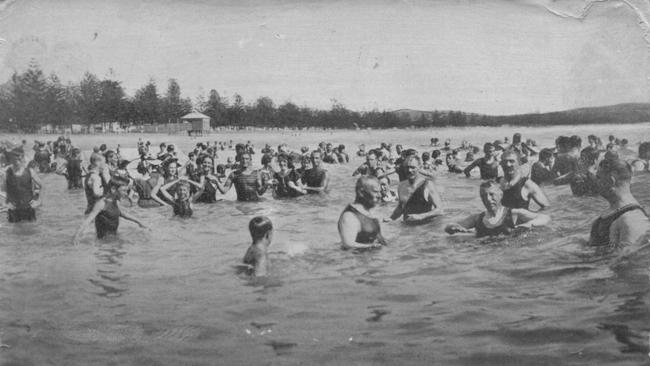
point(498, 57)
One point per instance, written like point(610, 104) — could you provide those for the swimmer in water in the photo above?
point(316, 180)
point(419, 199)
point(248, 182)
point(256, 257)
point(106, 212)
point(182, 203)
point(72, 170)
point(542, 170)
point(625, 221)
point(358, 228)
point(488, 165)
point(387, 194)
point(22, 185)
point(518, 190)
point(370, 167)
point(497, 219)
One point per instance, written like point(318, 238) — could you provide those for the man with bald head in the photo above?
point(625, 221)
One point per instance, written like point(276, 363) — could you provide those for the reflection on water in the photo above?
point(171, 295)
point(109, 279)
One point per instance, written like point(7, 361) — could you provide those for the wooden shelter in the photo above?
point(200, 123)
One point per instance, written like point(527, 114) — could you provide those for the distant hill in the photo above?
point(619, 113)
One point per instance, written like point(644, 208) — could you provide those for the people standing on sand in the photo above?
point(106, 212)
point(497, 219)
point(22, 186)
point(358, 228)
point(419, 199)
point(625, 221)
point(518, 190)
point(256, 257)
point(488, 164)
point(316, 180)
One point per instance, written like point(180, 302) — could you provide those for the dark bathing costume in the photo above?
point(182, 208)
point(314, 178)
point(283, 189)
point(74, 173)
point(108, 219)
point(209, 193)
point(144, 188)
point(416, 204)
point(600, 227)
point(369, 226)
point(20, 189)
point(246, 186)
point(505, 225)
point(489, 171)
point(512, 196)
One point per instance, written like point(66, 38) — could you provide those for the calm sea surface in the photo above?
point(170, 295)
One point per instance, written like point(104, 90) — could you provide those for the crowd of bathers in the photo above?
point(512, 174)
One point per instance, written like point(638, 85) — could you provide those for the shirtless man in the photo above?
point(518, 190)
point(625, 221)
point(419, 200)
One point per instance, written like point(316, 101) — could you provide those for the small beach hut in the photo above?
point(200, 123)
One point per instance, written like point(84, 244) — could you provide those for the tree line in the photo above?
point(31, 99)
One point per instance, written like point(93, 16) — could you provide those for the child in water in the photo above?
point(182, 203)
point(256, 257)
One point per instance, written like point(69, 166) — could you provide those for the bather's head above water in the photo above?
point(491, 195)
point(368, 192)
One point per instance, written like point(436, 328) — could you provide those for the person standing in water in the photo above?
point(497, 219)
point(95, 184)
point(358, 228)
point(72, 170)
point(625, 221)
point(286, 180)
point(488, 165)
point(22, 185)
point(419, 199)
point(248, 182)
point(256, 257)
point(182, 203)
point(106, 211)
point(316, 179)
point(518, 190)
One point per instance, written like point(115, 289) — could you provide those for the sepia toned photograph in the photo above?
point(314, 182)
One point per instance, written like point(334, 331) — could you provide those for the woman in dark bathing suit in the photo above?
point(183, 201)
point(357, 227)
point(106, 212)
point(497, 219)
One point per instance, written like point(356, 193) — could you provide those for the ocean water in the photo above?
point(170, 295)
